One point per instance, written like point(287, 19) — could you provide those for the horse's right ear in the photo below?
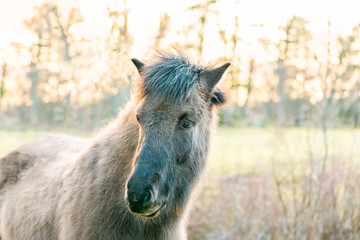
point(138, 64)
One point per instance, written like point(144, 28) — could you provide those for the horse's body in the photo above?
point(59, 187)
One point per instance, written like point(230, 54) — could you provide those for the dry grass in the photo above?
point(284, 197)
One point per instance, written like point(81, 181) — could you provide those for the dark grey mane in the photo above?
point(170, 77)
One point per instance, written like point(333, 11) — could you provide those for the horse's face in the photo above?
point(172, 150)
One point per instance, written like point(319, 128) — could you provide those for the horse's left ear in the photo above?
point(213, 76)
point(138, 64)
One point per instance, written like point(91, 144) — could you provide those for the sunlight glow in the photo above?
point(257, 19)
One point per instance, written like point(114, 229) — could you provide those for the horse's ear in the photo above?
point(138, 64)
point(213, 76)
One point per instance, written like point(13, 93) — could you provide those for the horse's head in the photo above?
point(175, 115)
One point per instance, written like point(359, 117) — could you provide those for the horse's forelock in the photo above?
point(169, 77)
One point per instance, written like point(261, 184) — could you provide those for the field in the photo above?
point(264, 183)
point(236, 150)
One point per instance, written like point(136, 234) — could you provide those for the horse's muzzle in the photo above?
point(143, 201)
point(143, 208)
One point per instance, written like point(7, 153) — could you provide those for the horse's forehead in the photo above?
point(157, 107)
point(154, 104)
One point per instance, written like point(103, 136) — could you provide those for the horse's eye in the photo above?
point(187, 124)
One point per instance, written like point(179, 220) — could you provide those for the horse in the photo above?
point(135, 179)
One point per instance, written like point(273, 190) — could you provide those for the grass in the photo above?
point(235, 150)
point(244, 150)
point(13, 138)
point(9, 140)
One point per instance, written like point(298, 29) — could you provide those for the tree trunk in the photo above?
point(281, 72)
point(357, 112)
point(2, 85)
point(302, 112)
point(249, 87)
point(34, 76)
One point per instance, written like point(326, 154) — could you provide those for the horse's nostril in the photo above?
point(180, 160)
point(143, 197)
point(133, 197)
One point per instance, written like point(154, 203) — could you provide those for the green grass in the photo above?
point(11, 139)
point(242, 150)
point(238, 150)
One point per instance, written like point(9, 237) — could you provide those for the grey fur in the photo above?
point(66, 188)
point(170, 76)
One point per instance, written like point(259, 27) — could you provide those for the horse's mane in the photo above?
point(170, 76)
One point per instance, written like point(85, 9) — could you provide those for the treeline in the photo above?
point(80, 82)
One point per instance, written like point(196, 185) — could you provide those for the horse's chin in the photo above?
point(153, 214)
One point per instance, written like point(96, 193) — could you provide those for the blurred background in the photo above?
point(285, 162)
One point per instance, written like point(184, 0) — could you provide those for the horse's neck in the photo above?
point(112, 150)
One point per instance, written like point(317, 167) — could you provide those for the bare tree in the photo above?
point(344, 100)
point(41, 26)
point(162, 30)
point(50, 27)
point(119, 42)
point(324, 118)
point(290, 48)
point(232, 39)
point(2, 84)
point(248, 86)
point(204, 9)
point(73, 18)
